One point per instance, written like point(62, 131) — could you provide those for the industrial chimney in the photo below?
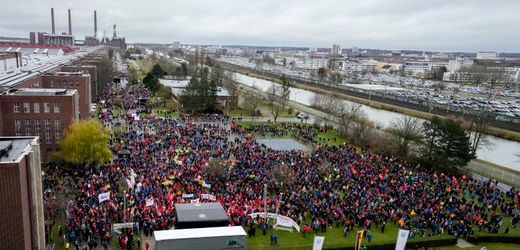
point(95, 24)
point(115, 34)
point(70, 24)
point(52, 21)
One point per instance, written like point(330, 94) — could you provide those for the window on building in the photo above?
point(57, 130)
point(56, 107)
point(46, 107)
point(48, 137)
point(37, 128)
point(57, 137)
point(16, 107)
point(18, 127)
point(77, 83)
point(36, 107)
point(26, 107)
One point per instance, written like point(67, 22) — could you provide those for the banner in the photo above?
point(318, 242)
point(187, 196)
point(104, 197)
point(212, 197)
point(402, 237)
point(195, 201)
point(284, 221)
point(359, 239)
point(204, 196)
point(150, 202)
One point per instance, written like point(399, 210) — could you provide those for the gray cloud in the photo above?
point(446, 25)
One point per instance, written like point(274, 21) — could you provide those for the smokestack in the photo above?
point(115, 34)
point(95, 24)
point(52, 21)
point(70, 24)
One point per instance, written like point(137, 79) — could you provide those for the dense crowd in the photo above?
point(162, 161)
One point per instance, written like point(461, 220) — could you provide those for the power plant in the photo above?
point(115, 42)
point(53, 38)
point(67, 38)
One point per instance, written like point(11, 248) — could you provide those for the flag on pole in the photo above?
point(318, 242)
point(402, 237)
point(104, 197)
point(359, 239)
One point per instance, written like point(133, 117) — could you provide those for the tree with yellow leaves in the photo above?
point(85, 142)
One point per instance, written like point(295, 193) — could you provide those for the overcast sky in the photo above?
point(442, 25)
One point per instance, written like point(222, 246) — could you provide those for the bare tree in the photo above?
point(336, 79)
point(328, 104)
point(251, 104)
point(477, 125)
point(281, 175)
point(277, 96)
point(360, 128)
point(405, 131)
point(496, 76)
point(217, 168)
point(347, 113)
point(273, 99)
point(477, 73)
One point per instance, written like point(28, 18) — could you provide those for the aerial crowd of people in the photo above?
point(159, 161)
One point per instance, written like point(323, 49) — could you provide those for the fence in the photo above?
point(504, 175)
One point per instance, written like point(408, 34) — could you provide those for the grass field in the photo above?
point(333, 238)
point(330, 137)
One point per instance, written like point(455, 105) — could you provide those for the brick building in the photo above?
point(72, 80)
point(39, 112)
point(21, 210)
point(86, 69)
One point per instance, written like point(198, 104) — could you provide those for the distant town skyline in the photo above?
point(441, 25)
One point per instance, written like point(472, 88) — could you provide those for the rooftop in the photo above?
point(76, 73)
point(13, 148)
point(187, 212)
point(39, 92)
point(38, 66)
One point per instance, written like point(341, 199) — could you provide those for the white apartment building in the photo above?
point(459, 63)
point(487, 55)
point(312, 63)
point(354, 67)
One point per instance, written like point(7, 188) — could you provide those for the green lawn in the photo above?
point(331, 137)
point(237, 112)
point(333, 238)
point(161, 112)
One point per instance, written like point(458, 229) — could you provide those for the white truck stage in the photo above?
point(201, 238)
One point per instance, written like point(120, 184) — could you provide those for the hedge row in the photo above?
point(491, 238)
